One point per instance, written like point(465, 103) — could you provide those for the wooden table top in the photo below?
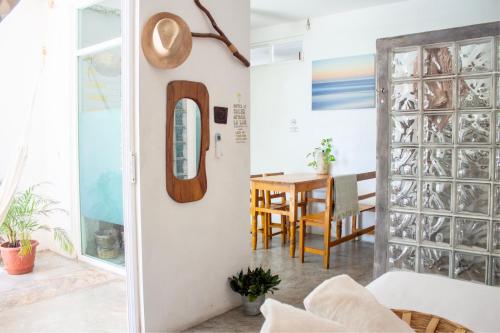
point(292, 178)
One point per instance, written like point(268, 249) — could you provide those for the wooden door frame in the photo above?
point(384, 45)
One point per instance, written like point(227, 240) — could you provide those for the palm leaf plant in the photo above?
point(254, 283)
point(22, 220)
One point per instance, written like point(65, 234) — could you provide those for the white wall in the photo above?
point(189, 250)
point(30, 27)
point(282, 92)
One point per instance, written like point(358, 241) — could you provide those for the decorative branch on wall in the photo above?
point(167, 40)
point(220, 36)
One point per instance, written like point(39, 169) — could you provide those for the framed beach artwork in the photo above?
point(343, 83)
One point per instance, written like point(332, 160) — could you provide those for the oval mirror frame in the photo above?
point(187, 190)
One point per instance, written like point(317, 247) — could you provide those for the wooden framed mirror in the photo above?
point(187, 140)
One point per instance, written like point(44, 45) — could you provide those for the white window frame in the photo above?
point(272, 44)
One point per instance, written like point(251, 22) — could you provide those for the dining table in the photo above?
point(292, 184)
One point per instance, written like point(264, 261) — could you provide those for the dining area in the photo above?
point(297, 206)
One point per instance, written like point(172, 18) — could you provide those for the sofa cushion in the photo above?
point(288, 319)
point(343, 300)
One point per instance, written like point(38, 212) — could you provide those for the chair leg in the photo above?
point(270, 229)
point(265, 230)
point(326, 246)
point(339, 229)
point(302, 236)
point(254, 231)
point(354, 225)
point(283, 230)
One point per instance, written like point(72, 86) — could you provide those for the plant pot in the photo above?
point(252, 308)
point(13, 263)
point(106, 238)
point(321, 168)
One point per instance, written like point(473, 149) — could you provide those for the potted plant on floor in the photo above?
point(253, 287)
point(18, 252)
point(322, 157)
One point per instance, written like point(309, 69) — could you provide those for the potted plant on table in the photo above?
point(253, 287)
point(19, 250)
point(322, 157)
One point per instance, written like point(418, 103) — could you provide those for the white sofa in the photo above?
point(352, 308)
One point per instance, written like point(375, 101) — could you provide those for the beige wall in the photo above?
point(189, 250)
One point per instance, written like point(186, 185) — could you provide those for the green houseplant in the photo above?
point(19, 249)
point(322, 157)
point(253, 287)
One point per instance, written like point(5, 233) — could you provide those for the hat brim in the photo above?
point(181, 49)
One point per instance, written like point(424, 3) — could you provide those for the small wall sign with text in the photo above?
point(240, 122)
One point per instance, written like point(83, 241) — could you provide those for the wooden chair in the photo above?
point(282, 205)
point(266, 200)
point(362, 207)
point(324, 219)
point(276, 201)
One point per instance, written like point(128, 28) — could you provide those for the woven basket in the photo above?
point(427, 323)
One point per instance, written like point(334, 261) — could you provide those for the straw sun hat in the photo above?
point(166, 40)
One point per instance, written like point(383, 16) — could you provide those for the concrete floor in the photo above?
point(354, 258)
point(62, 295)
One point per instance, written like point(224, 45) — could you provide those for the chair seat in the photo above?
point(317, 217)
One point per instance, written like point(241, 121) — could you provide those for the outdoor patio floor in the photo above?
point(62, 295)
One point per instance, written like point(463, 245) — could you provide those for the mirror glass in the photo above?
point(187, 139)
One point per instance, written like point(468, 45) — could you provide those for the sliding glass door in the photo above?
point(100, 131)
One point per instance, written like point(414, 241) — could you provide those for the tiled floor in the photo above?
point(353, 258)
point(62, 295)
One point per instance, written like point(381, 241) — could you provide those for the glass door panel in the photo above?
point(100, 148)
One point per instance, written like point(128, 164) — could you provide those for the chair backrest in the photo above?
point(366, 176)
point(329, 199)
point(274, 195)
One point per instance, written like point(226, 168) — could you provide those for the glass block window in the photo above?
point(444, 160)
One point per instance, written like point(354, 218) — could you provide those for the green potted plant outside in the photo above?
point(322, 157)
point(253, 287)
point(19, 250)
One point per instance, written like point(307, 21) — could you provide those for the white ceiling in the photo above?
point(270, 12)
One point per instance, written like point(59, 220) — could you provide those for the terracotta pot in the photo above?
point(13, 263)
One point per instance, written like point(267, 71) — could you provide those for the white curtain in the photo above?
point(9, 184)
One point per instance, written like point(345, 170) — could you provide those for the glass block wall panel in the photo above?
point(439, 94)
point(497, 164)
point(405, 96)
point(403, 226)
point(438, 60)
point(436, 229)
point(475, 56)
point(496, 202)
point(470, 267)
point(404, 161)
point(497, 128)
point(405, 63)
point(471, 234)
point(402, 256)
point(404, 129)
point(495, 264)
point(437, 162)
point(436, 196)
point(475, 92)
point(473, 198)
point(444, 182)
point(473, 163)
point(404, 193)
point(498, 90)
point(435, 261)
point(474, 127)
point(438, 128)
point(495, 246)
